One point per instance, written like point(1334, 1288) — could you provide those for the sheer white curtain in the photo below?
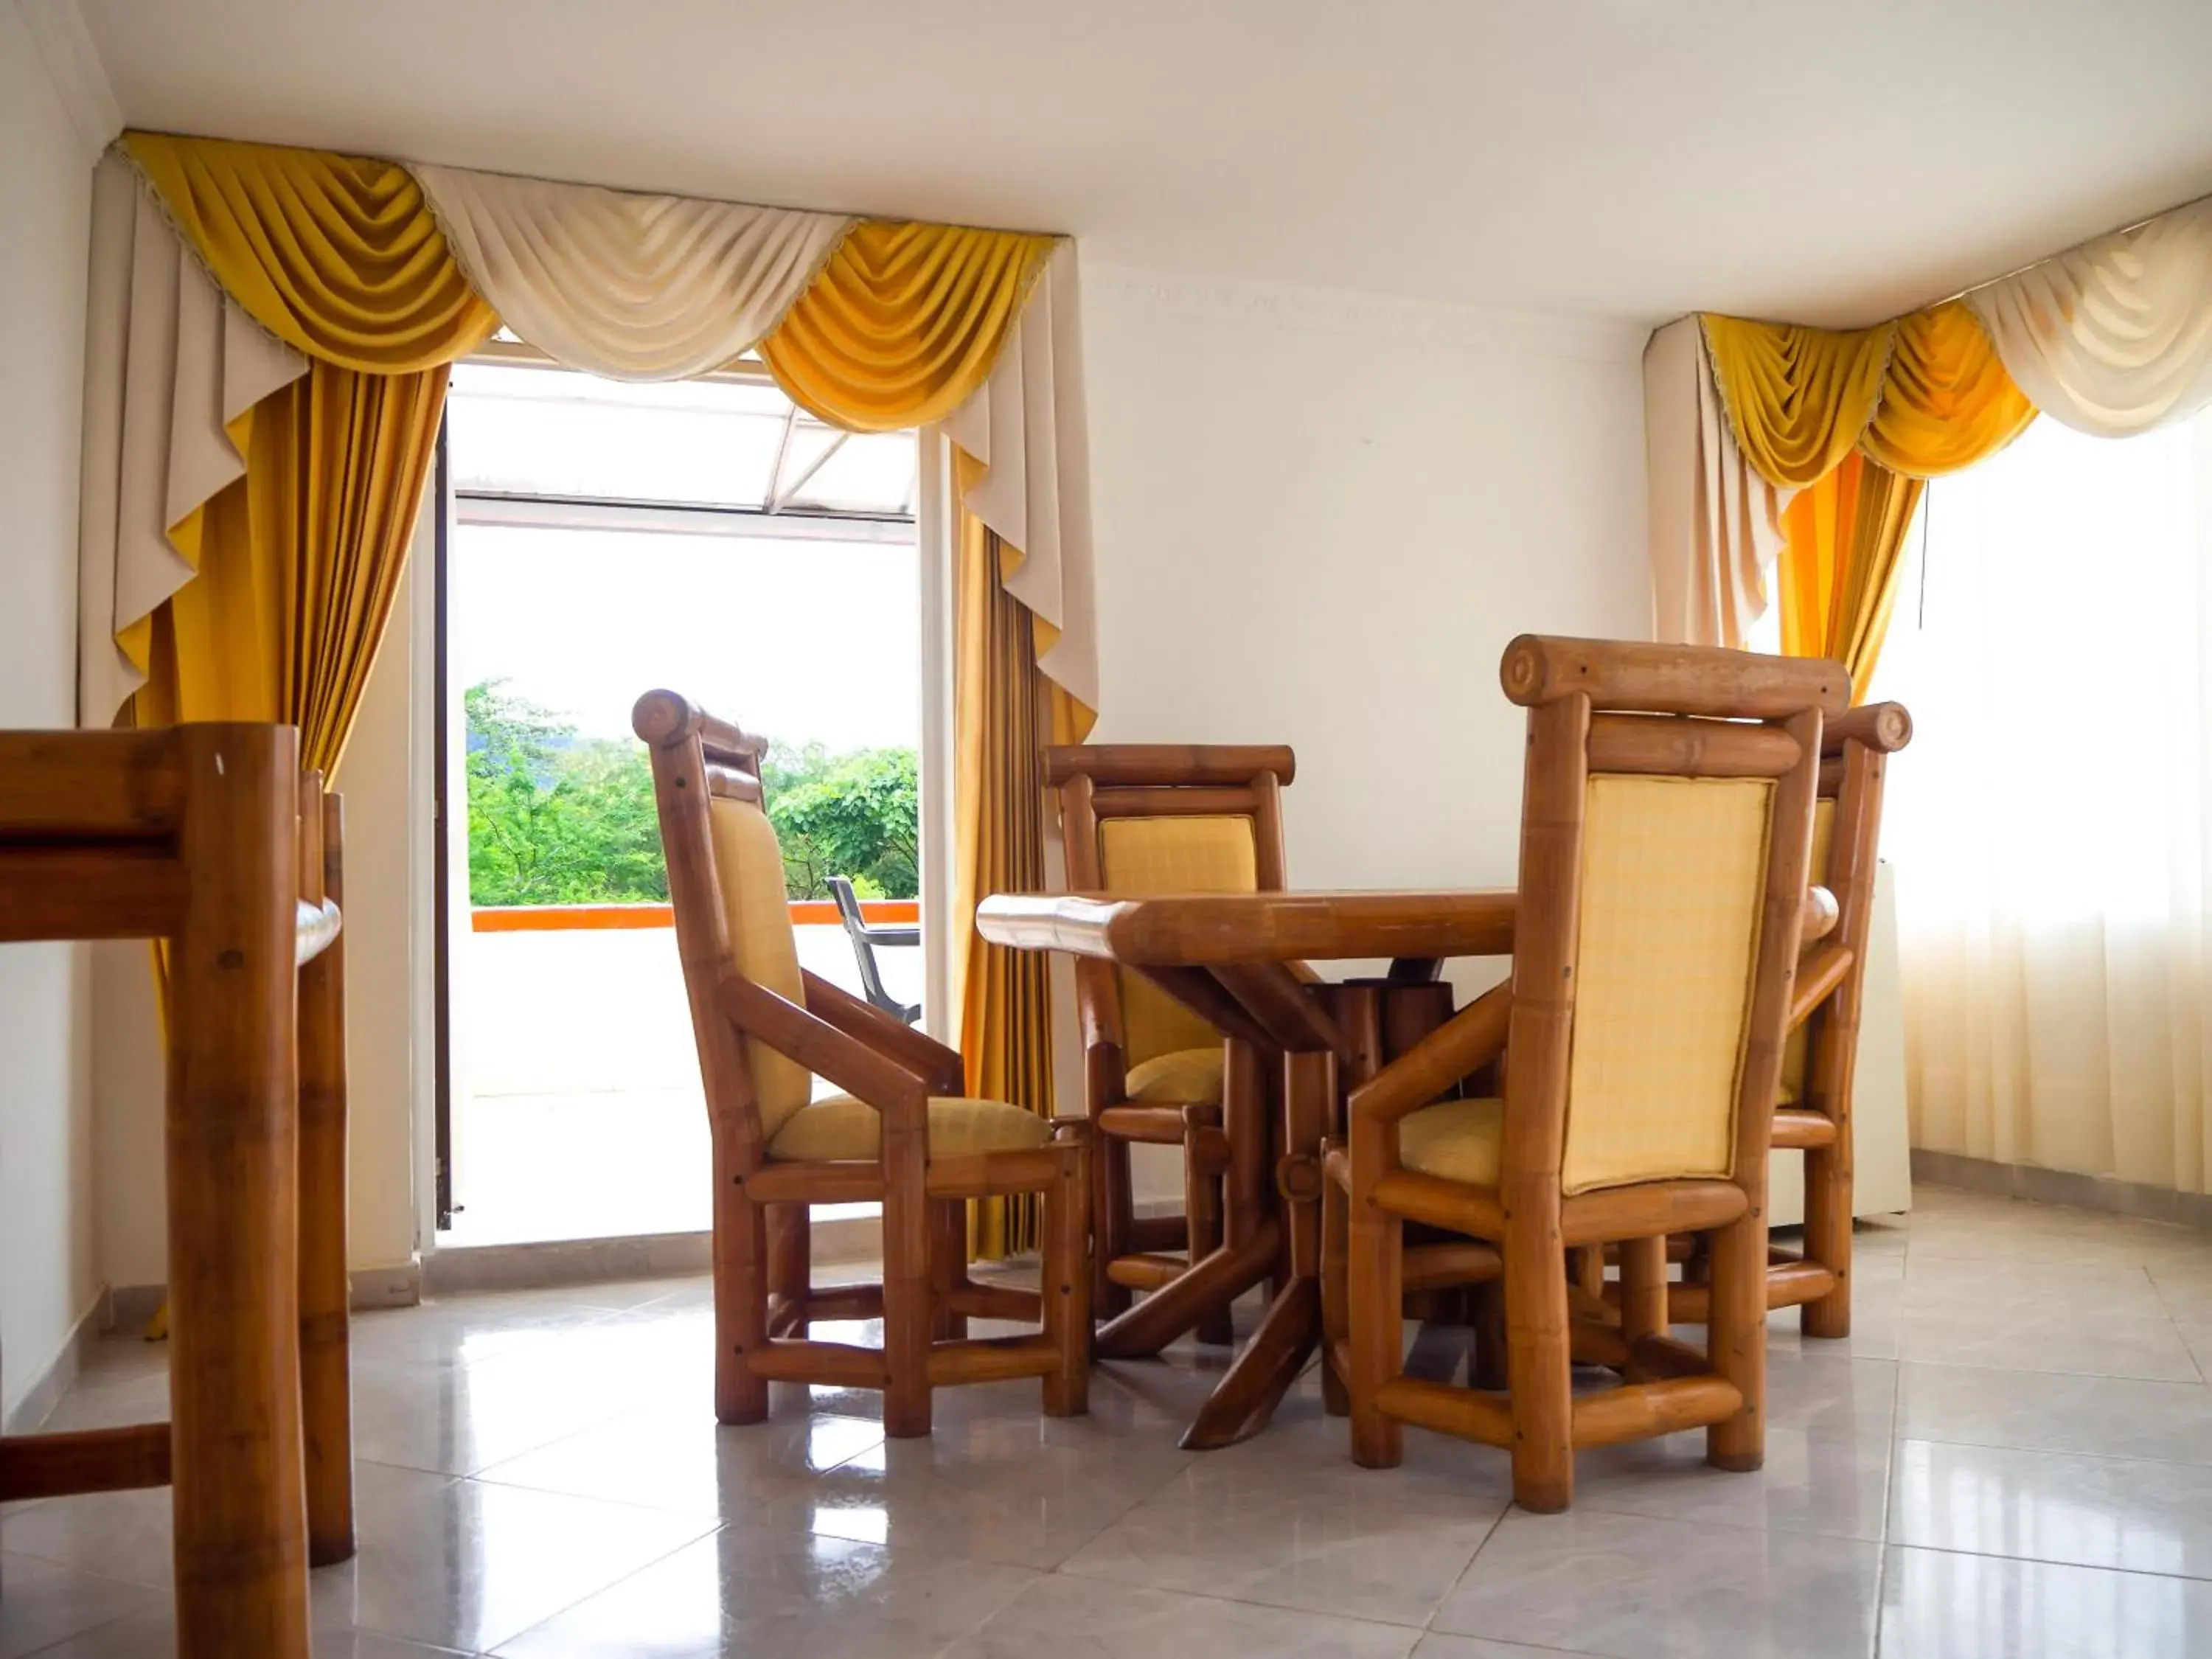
point(2049, 823)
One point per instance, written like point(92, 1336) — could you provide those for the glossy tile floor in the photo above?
point(2011, 1455)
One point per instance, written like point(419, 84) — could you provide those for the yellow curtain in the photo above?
point(1857, 421)
point(1924, 395)
point(298, 560)
point(1946, 401)
point(902, 323)
point(1004, 714)
point(1797, 398)
point(1839, 569)
point(336, 255)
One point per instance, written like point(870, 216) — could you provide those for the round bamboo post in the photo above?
point(907, 1320)
point(240, 1487)
point(1066, 1281)
point(1540, 1355)
point(325, 1291)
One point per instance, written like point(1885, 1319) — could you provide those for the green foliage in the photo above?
point(856, 815)
point(557, 819)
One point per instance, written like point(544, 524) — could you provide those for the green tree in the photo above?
point(856, 815)
point(557, 819)
point(554, 819)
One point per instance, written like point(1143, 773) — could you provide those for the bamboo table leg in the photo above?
point(239, 1484)
point(1252, 1242)
point(1244, 1401)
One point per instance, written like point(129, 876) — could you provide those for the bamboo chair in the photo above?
point(1149, 818)
point(207, 837)
point(903, 1134)
point(1667, 823)
point(1812, 1110)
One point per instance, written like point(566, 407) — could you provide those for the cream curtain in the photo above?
point(172, 368)
point(1714, 524)
point(630, 287)
point(1025, 426)
point(2051, 824)
point(2115, 336)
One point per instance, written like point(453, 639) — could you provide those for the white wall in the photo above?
point(1320, 517)
point(1319, 521)
point(47, 1277)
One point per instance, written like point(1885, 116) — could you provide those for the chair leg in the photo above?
point(1540, 1366)
point(1065, 1285)
point(1111, 1213)
point(740, 1299)
point(1335, 1294)
point(1589, 1268)
point(1829, 1234)
point(790, 1258)
point(1201, 1209)
point(1736, 1338)
point(1486, 1312)
point(1642, 1287)
point(906, 1284)
point(1375, 1277)
point(948, 1266)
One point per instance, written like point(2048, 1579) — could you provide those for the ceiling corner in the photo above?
point(72, 62)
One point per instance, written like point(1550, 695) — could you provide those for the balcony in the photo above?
point(578, 1111)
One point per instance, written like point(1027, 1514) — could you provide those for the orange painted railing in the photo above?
point(577, 918)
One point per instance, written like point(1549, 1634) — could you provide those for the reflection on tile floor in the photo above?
point(2010, 1457)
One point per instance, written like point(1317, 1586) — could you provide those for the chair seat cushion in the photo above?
point(1186, 1077)
point(838, 1126)
point(1455, 1139)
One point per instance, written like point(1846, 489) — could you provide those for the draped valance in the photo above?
point(2113, 337)
point(386, 268)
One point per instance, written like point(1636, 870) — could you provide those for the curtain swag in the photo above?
point(2111, 337)
point(383, 268)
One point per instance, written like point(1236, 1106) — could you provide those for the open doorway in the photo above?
point(606, 538)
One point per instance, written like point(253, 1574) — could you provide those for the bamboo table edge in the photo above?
point(1205, 930)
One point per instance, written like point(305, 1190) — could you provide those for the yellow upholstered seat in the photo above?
point(1186, 1077)
point(1455, 1139)
point(839, 1126)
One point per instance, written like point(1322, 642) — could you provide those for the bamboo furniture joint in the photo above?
point(1233, 958)
point(1666, 843)
point(1142, 818)
point(903, 1134)
point(1813, 1106)
point(208, 837)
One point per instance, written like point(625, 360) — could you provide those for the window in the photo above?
point(608, 538)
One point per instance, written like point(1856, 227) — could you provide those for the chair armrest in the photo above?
point(914, 1051)
point(1819, 971)
point(1470, 1039)
point(870, 1077)
point(884, 936)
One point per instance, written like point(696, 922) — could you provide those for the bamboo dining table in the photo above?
point(1238, 960)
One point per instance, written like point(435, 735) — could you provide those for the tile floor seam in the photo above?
point(1429, 1624)
point(2054, 1561)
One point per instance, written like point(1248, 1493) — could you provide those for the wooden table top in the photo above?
point(1200, 930)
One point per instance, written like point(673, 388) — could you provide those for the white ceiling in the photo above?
point(1630, 158)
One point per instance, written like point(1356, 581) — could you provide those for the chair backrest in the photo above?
point(1147, 818)
point(1666, 847)
point(725, 884)
point(1846, 837)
